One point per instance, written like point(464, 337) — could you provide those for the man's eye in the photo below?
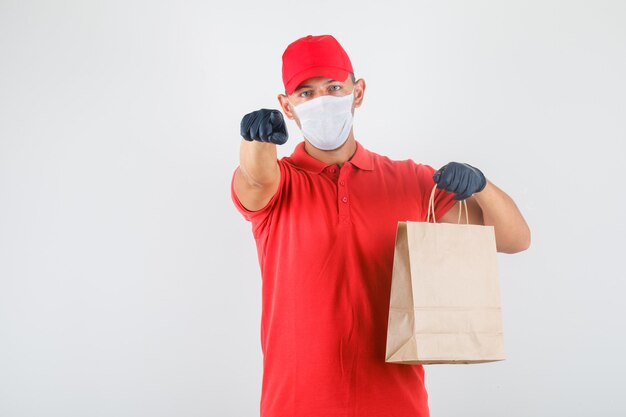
point(335, 87)
point(305, 94)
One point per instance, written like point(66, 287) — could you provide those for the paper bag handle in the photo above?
point(431, 208)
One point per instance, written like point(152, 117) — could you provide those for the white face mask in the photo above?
point(326, 121)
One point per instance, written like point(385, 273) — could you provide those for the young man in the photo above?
point(324, 220)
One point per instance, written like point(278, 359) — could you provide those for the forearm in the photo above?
point(258, 163)
point(499, 210)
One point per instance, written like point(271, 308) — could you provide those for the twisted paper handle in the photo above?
point(431, 208)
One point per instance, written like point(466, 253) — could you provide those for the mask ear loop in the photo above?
point(292, 108)
point(431, 208)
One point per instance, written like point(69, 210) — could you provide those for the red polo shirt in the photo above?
point(325, 246)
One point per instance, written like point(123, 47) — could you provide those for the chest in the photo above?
point(348, 204)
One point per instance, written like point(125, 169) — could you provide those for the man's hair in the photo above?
point(351, 77)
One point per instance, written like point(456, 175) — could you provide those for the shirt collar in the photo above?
point(361, 159)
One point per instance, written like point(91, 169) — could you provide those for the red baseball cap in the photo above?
point(314, 56)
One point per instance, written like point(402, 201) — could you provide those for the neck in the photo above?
point(337, 156)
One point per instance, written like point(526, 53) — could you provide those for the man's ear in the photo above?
point(284, 104)
point(359, 92)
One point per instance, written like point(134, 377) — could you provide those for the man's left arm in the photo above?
point(486, 203)
point(494, 207)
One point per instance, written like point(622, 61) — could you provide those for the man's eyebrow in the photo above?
point(308, 86)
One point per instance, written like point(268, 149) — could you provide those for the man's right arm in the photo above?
point(258, 176)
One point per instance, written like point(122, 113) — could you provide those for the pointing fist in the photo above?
point(264, 125)
point(461, 179)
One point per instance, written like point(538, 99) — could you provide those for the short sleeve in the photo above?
point(259, 218)
point(444, 200)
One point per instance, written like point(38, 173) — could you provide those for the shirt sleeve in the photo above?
point(444, 200)
point(259, 218)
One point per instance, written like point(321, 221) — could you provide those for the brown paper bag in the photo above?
point(445, 294)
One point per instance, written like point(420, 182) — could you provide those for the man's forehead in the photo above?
point(314, 81)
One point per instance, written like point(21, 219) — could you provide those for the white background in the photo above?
point(129, 285)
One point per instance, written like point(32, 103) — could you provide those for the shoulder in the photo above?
point(406, 171)
point(409, 165)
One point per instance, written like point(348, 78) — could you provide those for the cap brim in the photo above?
point(336, 74)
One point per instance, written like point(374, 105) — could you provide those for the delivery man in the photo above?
point(324, 220)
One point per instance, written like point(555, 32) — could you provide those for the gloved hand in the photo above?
point(264, 125)
point(461, 179)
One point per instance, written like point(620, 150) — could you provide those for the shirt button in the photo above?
point(342, 182)
point(333, 170)
point(344, 199)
